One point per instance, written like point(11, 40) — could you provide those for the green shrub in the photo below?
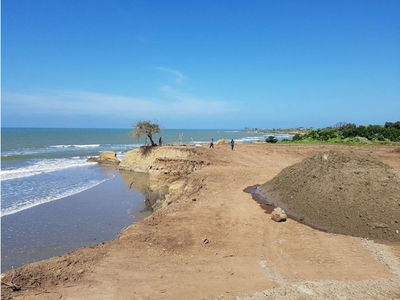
point(297, 137)
point(271, 139)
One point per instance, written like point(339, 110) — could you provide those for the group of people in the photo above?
point(232, 144)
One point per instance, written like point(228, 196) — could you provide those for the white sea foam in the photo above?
point(17, 207)
point(59, 146)
point(249, 139)
point(21, 152)
point(43, 166)
point(283, 135)
point(87, 146)
point(120, 155)
point(75, 146)
point(200, 142)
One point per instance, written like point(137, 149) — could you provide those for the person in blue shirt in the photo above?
point(232, 144)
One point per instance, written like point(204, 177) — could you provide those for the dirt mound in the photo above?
point(348, 193)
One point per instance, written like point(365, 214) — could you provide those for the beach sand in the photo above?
point(213, 241)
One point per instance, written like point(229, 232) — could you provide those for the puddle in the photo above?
point(260, 199)
point(268, 207)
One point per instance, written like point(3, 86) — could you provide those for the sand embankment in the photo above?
point(143, 158)
point(168, 168)
point(212, 241)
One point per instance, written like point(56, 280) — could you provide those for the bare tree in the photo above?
point(145, 128)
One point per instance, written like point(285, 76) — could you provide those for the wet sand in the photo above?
point(55, 228)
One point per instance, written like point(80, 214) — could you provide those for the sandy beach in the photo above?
point(211, 240)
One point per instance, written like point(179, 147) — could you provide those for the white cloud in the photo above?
point(171, 103)
point(77, 103)
point(181, 103)
point(179, 77)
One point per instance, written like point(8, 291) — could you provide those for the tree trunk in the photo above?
point(151, 140)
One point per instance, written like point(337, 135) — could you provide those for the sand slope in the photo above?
point(215, 242)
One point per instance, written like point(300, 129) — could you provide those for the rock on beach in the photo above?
point(278, 215)
point(106, 157)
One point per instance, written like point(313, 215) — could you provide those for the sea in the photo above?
point(51, 194)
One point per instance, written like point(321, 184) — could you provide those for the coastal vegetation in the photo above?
point(271, 139)
point(145, 128)
point(298, 130)
point(350, 133)
point(345, 133)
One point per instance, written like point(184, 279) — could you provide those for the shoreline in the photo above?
point(93, 216)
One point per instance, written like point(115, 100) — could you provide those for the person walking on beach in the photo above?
point(232, 144)
point(212, 143)
point(160, 141)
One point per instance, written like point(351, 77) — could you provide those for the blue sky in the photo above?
point(200, 64)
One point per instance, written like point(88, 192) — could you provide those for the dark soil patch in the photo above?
point(348, 193)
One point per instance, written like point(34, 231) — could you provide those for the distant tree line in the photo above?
point(348, 132)
point(299, 130)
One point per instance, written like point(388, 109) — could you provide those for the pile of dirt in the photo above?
point(348, 193)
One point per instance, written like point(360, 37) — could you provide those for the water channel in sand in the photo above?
point(268, 206)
